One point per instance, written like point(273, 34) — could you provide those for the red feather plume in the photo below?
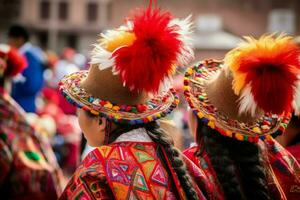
point(145, 64)
point(272, 73)
point(16, 62)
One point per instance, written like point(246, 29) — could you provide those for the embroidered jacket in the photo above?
point(283, 172)
point(28, 167)
point(125, 170)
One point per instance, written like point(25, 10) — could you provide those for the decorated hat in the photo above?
point(131, 67)
point(11, 61)
point(250, 94)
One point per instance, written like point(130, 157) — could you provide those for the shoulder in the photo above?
point(283, 169)
point(88, 181)
point(278, 156)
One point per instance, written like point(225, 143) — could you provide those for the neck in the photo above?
point(135, 135)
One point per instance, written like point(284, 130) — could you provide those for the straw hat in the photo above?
point(129, 79)
point(250, 94)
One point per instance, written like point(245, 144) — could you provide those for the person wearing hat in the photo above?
point(28, 168)
point(121, 97)
point(237, 104)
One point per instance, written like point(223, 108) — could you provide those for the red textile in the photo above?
point(295, 151)
point(123, 170)
point(283, 172)
point(28, 167)
point(151, 54)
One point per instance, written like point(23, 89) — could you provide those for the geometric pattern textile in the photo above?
point(283, 172)
point(123, 171)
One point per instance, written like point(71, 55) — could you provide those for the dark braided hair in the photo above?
point(230, 157)
point(159, 136)
point(251, 170)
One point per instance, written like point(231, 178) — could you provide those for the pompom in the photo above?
point(269, 66)
point(148, 61)
point(16, 62)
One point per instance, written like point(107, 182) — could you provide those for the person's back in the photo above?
point(238, 103)
point(26, 87)
point(126, 169)
point(120, 98)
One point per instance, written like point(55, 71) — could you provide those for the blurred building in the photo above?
point(218, 23)
point(59, 23)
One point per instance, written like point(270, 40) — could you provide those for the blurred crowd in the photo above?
point(35, 89)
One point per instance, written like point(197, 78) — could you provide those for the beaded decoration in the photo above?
point(157, 107)
point(196, 96)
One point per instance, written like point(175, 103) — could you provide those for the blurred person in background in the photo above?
point(237, 105)
point(63, 67)
point(27, 86)
point(66, 141)
point(28, 167)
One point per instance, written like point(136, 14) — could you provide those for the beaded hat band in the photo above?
point(154, 109)
point(196, 96)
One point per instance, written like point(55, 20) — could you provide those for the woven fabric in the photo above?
point(123, 170)
point(28, 167)
point(283, 172)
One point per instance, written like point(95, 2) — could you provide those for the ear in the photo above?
point(102, 125)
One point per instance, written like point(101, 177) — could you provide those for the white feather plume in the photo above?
point(247, 103)
point(296, 102)
point(184, 31)
point(165, 85)
point(101, 57)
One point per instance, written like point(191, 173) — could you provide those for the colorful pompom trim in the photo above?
point(202, 108)
point(154, 109)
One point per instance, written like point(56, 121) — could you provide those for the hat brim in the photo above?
point(196, 96)
point(157, 107)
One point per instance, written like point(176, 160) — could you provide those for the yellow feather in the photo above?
point(117, 39)
point(266, 46)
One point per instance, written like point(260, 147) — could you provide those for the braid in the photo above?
point(228, 156)
point(223, 165)
point(252, 172)
point(160, 137)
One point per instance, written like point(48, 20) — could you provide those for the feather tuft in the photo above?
point(269, 66)
point(296, 103)
point(184, 30)
point(247, 103)
point(144, 64)
point(101, 57)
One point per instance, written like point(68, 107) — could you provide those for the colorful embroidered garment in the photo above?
point(283, 171)
point(28, 168)
point(124, 170)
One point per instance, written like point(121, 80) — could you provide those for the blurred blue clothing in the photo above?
point(26, 90)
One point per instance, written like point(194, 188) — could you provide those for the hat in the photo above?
point(250, 94)
point(129, 79)
point(11, 61)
